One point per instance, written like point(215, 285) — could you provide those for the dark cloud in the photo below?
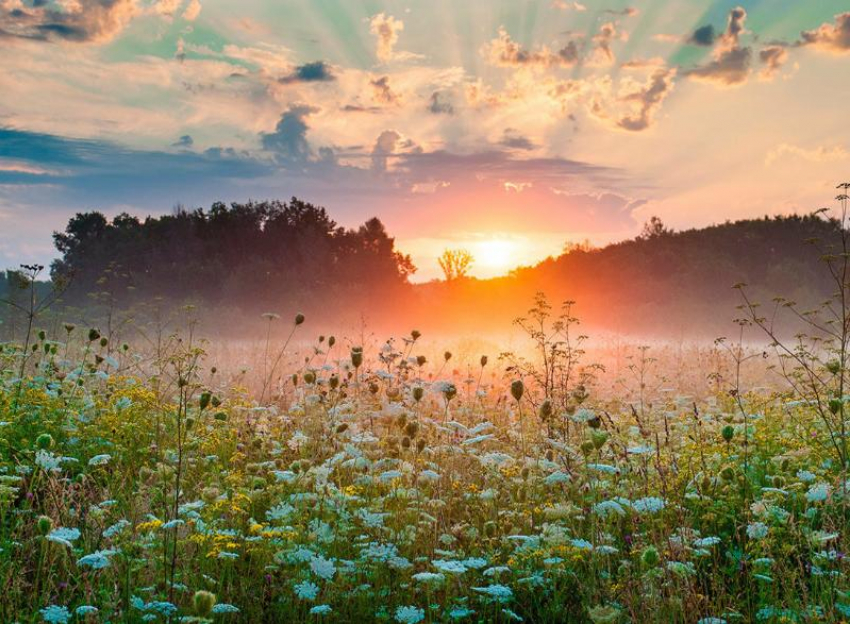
point(439, 105)
point(514, 139)
point(730, 64)
point(703, 36)
point(318, 71)
point(88, 21)
point(772, 58)
point(382, 93)
point(184, 141)
point(647, 100)
point(505, 52)
point(288, 142)
point(830, 37)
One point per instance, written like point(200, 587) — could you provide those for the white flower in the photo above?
point(452, 567)
point(323, 568)
point(307, 590)
point(502, 593)
point(757, 530)
point(64, 536)
point(650, 504)
point(706, 542)
point(100, 460)
point(409, 615)
point(96, 560)
point(819, 492)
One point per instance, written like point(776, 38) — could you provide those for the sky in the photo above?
point(507, 128)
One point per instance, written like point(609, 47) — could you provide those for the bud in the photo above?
point(834, 406)
point(420, 445)
point(418, 393)
point(44, 441)
point(517, 389)
point(104, 341)
point(204, 602)
point(190, 422)
point(334, 382)
point(550, 456)
point(220, 416)
point(586, 447)
point(93, 335)
point(299, 318)
point(310, 377)
point(42, 335)
point(778, 481)
point(69, 327)
point(483, 361)
point(411, 429)
point(420, 360)
point(331, 341)
point(205, 399)
point(447, 356)
point(405, 442)
point(342, 428)
point(415, 334)
point(727, 473)
point(833, 366)
point(490, 528)
point(594, 423)
point(599, 437)
point(45, 525)
point(728, 432)
point(649, 557)
point(356, 356)
point(545, 411)
point(373, 387)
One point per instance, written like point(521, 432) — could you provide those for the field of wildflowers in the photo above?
point(350, 483)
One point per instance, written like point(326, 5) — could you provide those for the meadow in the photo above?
point(336, 480)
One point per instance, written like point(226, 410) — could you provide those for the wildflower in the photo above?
point(757, 530)
point(581, 544)
point(84, 610)
point(649, 557)
point(323, 568)
point(707, 542)
point(115, 529)
point(457, 613)
point(321, 610)
point(429, 577)
point(475, 563)
point(223, 607)
point(806, 476)
point(47, 461)
point(55, 614)
point(306, 590)
point(711, 620)
point(100, 460)
point(96, 560)
point(650, 504)
point(501, 593)
point(818, 492)
point(453, 567)
point(64, 536)
point(511, 615)
point(609, 507)
point(409, 615)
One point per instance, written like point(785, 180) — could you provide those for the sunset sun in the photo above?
point(495, 254)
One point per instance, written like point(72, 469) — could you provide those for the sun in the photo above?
point(496, 253)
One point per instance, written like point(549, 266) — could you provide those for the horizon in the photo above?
point(542, 123)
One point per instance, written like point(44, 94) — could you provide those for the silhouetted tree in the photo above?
point(455, 263)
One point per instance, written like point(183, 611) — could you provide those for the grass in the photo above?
point(147, 486)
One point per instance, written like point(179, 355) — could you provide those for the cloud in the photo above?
point(627, 12)
point(830, 37)
point(82, 21)
point(390, 143)
point(184, 141)
point(288, 142)
point(644, 63)
point(193, 10)
point(382, 93)
point(386, 29)
point(645, 101)
point(703, 36)
point(817, 154)
point(772, 58)
point(505, 52)
point(602, 52)
point(514, 139)
point(730, 65)
point(317, 71)
point(567, 6)
point(439, 105)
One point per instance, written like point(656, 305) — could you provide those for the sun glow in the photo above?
point(495, 254)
